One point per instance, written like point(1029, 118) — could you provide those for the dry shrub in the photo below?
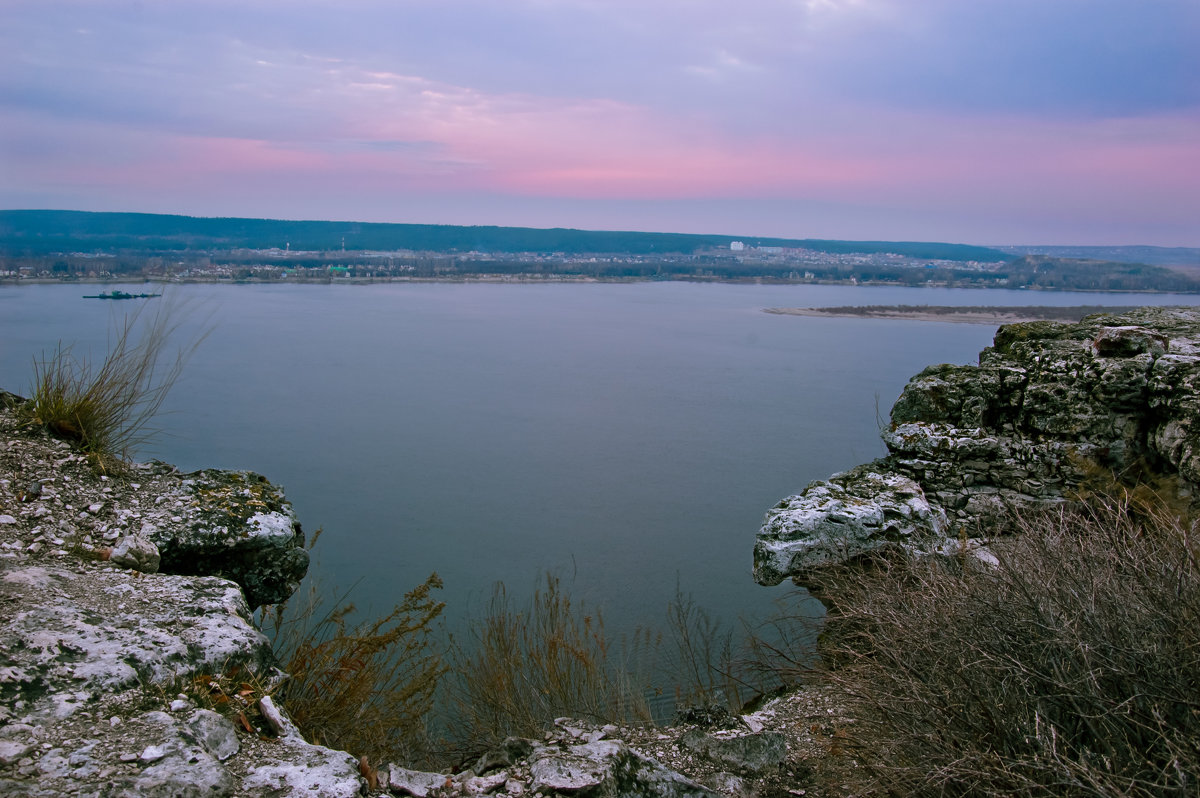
point(1072, 668)
point(524, 667)
point(779, 652)
point(105, 410)
point(699, 660)
point(366, 688)
point(710, 666)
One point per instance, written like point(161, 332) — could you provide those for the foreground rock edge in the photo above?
point(100, 659)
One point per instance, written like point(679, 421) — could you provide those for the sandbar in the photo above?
point(966, 314)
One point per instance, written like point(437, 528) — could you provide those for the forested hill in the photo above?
point(33, 232)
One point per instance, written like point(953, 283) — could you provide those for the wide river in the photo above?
point(625, 436)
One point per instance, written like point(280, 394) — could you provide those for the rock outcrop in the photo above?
point(233, 524)
point(123, 608)
point(1047, 405)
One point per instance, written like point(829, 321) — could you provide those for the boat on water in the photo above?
point(121, 295)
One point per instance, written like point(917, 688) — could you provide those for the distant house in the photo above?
point(736, 246)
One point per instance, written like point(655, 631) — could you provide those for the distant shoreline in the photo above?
point(961, 315)
point(967, 314)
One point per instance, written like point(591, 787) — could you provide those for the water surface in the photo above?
point(628, 437)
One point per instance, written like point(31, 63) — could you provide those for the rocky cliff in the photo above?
point(1047, 405)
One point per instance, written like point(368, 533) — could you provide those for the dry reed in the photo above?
point(106, 409)
point(367, 688)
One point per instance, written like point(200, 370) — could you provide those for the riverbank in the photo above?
point(967, 314)
point(537, 278)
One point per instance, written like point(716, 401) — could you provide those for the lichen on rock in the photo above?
point(234, 524)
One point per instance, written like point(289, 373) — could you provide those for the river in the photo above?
point(627, 437)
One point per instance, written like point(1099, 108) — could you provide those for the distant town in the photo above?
point(274, 264)
point(73, 246)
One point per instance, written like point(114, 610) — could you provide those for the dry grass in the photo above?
point(1071, 669)
point(105, 409)
point(526, 666)
point(707, 665)
point(779, 652)
point(522, 667)
point(367, 688)
point(234, 693)
point(699, 658)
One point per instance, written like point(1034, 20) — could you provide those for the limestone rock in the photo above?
point(280, 723)
point(582, 767)
point(137, 553)
point(752, 753)
point(729, 784)
point(11, 751)
point(92, 653)
point(178, 765)
point(238, 525)
point(1128, 341)
point(72, 636)
point(214, 732)
point(1047, 405)
point(414, 782)
point(510, 751)
point(609, 768)
point(848, 515)
point(294, 767)
point(557, 765)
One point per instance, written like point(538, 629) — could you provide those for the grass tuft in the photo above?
point(105, 409)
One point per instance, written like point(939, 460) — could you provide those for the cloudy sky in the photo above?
point(978, 121)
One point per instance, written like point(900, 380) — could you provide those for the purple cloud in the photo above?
point(1071, 119)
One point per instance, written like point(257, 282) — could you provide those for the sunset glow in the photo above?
point(990, 122)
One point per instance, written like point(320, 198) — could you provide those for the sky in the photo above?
point(1069, 122)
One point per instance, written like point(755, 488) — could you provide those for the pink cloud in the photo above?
point(393, 137)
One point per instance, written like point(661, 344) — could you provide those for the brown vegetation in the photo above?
point(524, 666)
point(1071, 668)
point(366, 688)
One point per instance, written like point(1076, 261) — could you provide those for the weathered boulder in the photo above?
point(83, 652)
point(233, 524)
point(70, 637)
point(416, 783)
point(608, 768)
point(1047, 406)
point(573, 759)
point(294, 767)
point(137, 553)
point(179, 763)
point(843, 517)
point(751, 754)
